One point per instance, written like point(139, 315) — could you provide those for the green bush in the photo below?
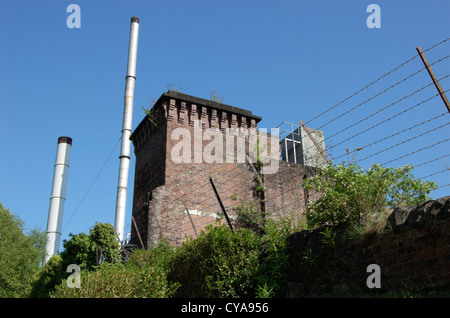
point(20, 255)
point(87, 251)
point(159, 257)
point(274, 260)
point(104, 242)
point(271, 278)
point(349, 192)
point(250, 216)
point(218, 263)
point(117, 281)
point(47, 277)
point(143, 276)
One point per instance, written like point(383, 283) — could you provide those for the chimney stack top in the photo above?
point(65, 139)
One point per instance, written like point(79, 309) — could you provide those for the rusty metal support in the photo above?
point(137, 231)
point(433, 77)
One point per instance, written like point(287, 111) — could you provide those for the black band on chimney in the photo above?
point(134, 19)
point(66, 140)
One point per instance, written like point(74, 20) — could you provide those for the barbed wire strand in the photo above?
point(393, 135)
point(375, 81)
point(432, 160)
point(385, 107)
point(416, 151)
point(358, 122)
point(403, 142)
point(435, 173)
point(388, 119)
point(382, 92)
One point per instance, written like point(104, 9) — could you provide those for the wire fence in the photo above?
point(397, 119)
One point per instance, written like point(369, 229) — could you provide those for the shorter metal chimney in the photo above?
point(58, 197)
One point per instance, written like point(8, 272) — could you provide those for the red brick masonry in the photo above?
point(165, 190)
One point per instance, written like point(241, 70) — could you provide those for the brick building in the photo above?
point(183, 144)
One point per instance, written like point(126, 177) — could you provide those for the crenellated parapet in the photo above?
point(187, 110)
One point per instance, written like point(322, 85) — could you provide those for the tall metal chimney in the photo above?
point(126, 130)
point(58, 197)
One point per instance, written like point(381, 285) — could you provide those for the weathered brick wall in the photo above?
point(190, 189)
point(149, 175)
point(413, 255)
point(172, 172)
point(415, 258)
point(284, 194)
point(417, 252)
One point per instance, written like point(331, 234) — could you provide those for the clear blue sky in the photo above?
point(283, 60)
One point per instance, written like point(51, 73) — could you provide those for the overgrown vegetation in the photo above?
point(351, 194)
point(153, 115)
point(88, 251)
point(144, 275)
point(218, 263)
point(20, 255)
point(213, 97)
point(252, 261)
